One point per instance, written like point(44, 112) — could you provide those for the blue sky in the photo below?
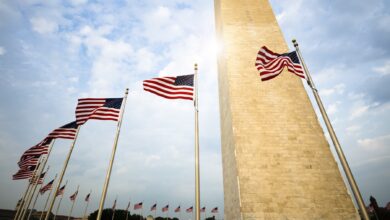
point(54, 52)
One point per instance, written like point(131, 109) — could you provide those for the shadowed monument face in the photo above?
point(276, 161)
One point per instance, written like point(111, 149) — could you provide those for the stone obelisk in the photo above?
point(277, 163)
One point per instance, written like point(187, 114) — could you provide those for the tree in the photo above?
point(164, 218)
point(120, 214)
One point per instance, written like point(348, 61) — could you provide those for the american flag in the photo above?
point(154, 207)
point(61, 191)
point(40, 180)
point(87, 197)
point(37, 151)
point(203, 209)
point(177, 209)
point(98, 108)
point(165, 208)
point(271, 64)
point(74, 196)
point(28, 161)
point(138, 206)
point(214, 210)
point(179, 87)
point(24, 173)
point(47, 187)
point(67, 131)
point(190, 209)
point(27, 158)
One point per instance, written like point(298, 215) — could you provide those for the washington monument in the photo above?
point(277, 163)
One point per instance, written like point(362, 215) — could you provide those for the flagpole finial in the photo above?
point(196, 66)
point(295, 42)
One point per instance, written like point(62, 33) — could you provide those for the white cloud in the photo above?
point(332, 108)
point(290, 14)
point(2, 51)
point(146, 60)
point(375, 143)
point(383, 70)
point(43, 26)
point(330, 73)
point(78, 2)
point(359, 111)
point(74, 79)
point(356, 96)
point(360, 106)
point(353, 129)
point(338, 89)
point(368, 162)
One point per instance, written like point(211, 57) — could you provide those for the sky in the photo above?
point(54, 52)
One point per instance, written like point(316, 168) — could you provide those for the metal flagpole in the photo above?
point(71, 209)
point(27, 193)
point(22, 201)
point(36, 197)
point(37, 180)
point(113, 214)
point(47, 200)
point(59, 203)
point(33, 180)
point(335, 141)
point(104, 192)
point(197, 184)
point(62, 173)
point(155, 210)
point(86, 207)
point(127, 211)
point(142, 212)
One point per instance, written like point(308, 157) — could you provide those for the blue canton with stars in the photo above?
point(113, 103)
point(292, 55)
point(186, 80)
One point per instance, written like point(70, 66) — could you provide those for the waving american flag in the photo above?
point(271, 64)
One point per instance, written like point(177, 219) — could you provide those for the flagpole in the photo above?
point(47, 200)
point(142, 211)
point(104, 192)
point(113, 214)
point(36, 197)
point(86, 207)
point(35, 181)
point(155, 210)
point(71, 209)
point(39, 176)
point(22, 201)
point(62, 173)
point(27, 193)
point(340, 153)
point(127, 210)
point(197, 184)
point(179, 212)
point(32, 189)
point(59, 203)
